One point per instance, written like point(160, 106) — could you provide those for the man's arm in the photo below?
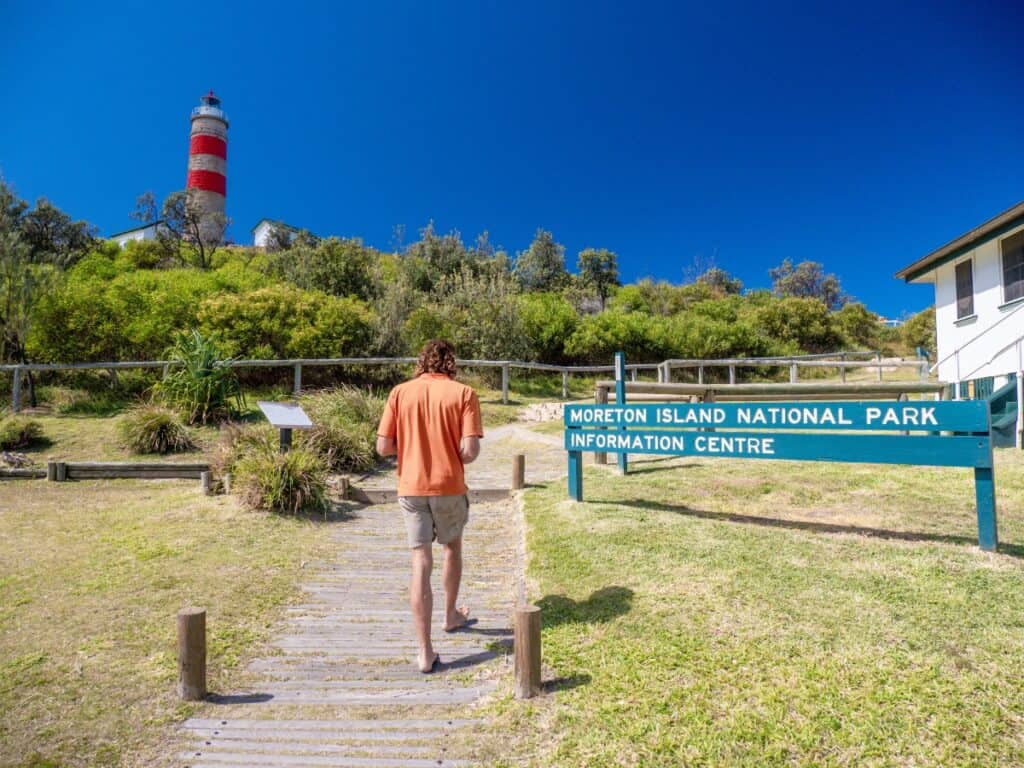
point(469, 449)
point(388, 446)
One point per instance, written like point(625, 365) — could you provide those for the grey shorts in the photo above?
point(434, 517)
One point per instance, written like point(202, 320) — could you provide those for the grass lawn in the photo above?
point(91, 576)
point(743, 613)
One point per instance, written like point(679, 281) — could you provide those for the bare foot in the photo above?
point(429, 665)
point(457, 620)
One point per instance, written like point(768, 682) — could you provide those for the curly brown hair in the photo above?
point(437, 356)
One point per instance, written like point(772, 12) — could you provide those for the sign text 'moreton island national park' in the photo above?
point(852, 416)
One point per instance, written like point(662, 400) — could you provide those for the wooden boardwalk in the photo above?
point(340, 687)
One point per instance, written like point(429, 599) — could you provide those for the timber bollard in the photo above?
point(504, 382)
point(206, 483)
point(343, 486)
point(518, 472)
point(226, 481)
point(51, 471)
point(192, 654)
point(60, 472)
point(526, 644)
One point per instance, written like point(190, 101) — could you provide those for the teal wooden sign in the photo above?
point(947, 434)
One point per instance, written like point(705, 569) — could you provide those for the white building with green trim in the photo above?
point(979, 313)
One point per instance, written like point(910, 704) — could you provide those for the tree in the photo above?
point(28, 270)
point(541, 267)
point(188, 234)
point(53, 237)
point(807, 280)
point(720, 281)
point(598, 270)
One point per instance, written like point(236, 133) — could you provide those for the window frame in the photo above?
point(956, 289)
point(1002, 267)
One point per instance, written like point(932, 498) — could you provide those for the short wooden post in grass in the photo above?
point(61, 472)
point(51, 471)
point(192, 654)
point(227, 480)
point(526, 643)
point(343, 487)
point(518, 472)
point(565, 385)
point(16, 390)
point(206, 483)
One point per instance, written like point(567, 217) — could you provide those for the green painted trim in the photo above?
point(962, 250)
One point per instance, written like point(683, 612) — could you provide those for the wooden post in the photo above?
point(345, 484)
point(51, 471)
point(700, 374)
point(793, 373)
point(732, 374)
point(286, 439)
point(620, 400)
point(62, 472)
point(526, 644)
point(227, 480)
point(205, 482)
point(192, 654)
point(297, 380)
point(518, 472)
point(878, 357)
point(601, 398)
point(16, 390)
point(565, 385)
point(633, 375)
point(504, 382)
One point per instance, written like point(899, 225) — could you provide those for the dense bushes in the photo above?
point(326, 298)
point(18, 432)
point(345, 430)
point(286, 322)
point(154, 429)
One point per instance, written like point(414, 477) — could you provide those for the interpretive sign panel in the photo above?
point(285, 415)
point(951, 434)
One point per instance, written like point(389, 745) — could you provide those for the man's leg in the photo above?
point(421, 600)
point(451, 575)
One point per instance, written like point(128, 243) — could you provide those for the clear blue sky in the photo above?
point(861, 135)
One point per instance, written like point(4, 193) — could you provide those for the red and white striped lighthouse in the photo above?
point(208, 163)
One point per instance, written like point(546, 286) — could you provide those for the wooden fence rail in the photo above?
point(664, 369)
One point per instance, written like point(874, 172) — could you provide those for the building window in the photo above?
point(1013, 267)
point(964, 289)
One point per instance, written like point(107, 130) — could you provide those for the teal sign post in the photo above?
point(945, 434)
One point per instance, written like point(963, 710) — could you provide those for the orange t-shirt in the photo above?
point(428, 417)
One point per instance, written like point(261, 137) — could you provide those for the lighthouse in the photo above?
point(206, 185)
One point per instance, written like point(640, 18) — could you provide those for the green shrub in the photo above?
point(19, 432)
point(154, 429)
point(286, 322)
point(286, 483)
point(198, 382)
point(238, 440)
point(345, 427)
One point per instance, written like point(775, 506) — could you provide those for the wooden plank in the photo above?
point(800, 389)
point(23, 473)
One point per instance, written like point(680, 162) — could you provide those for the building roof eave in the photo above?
point(994, 227)
point(135, 229)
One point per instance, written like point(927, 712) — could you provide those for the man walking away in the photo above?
point(432, 423)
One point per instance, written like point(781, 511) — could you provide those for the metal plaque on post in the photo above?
point(286, 417)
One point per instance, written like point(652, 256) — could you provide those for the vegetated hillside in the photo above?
point(312, 297)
